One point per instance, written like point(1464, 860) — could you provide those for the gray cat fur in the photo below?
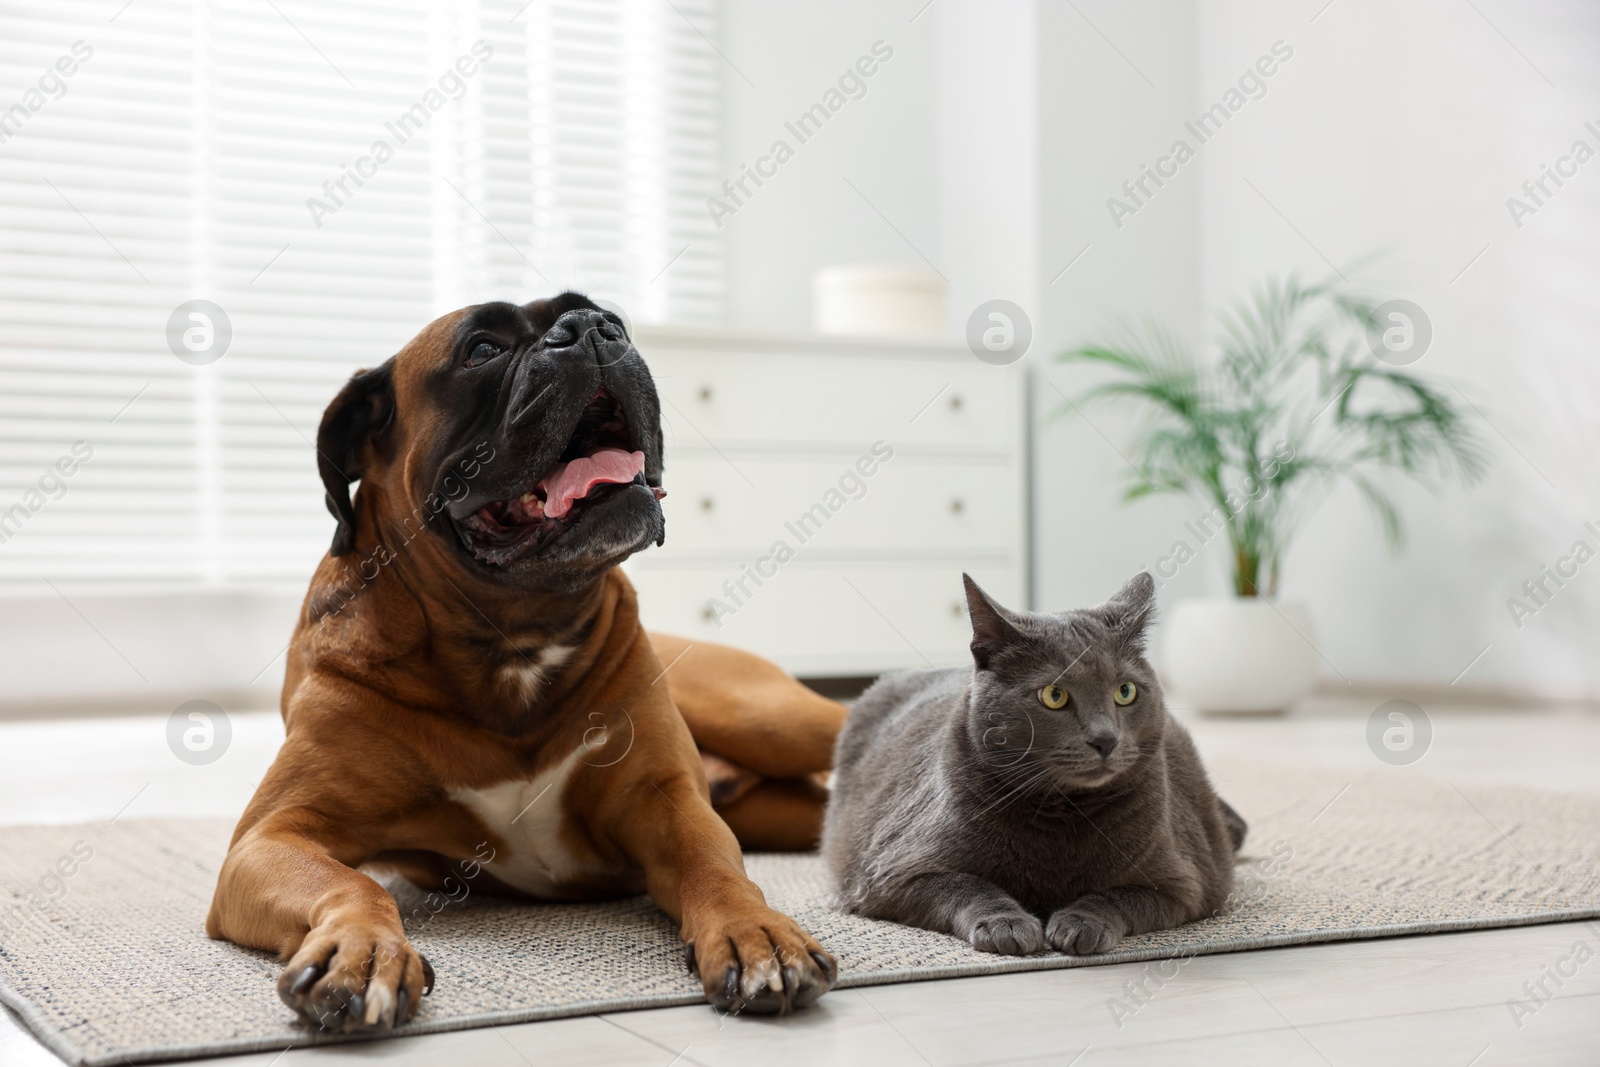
point(962, 804)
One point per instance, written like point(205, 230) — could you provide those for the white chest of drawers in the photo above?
point(824, 496)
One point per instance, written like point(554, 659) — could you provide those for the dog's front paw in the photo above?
point(1081, 933)
point(1007, 933)
point(350, 976)
point(761, 963)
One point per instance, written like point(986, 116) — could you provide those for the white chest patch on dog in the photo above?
point(525, 813)
point(523, 675)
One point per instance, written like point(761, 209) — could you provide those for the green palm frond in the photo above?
point(1388, 515)
point(1292, 402)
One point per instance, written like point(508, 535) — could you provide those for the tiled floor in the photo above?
point(1422, 1000)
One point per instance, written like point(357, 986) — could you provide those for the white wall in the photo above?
point(782, 57)
point(988, 162)
point(990, 142)
point(993, 140)
point(1116, 84)
point(1403, 129)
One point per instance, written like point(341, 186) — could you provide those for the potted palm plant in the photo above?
point(1293, 402)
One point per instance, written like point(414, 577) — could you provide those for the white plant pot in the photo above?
point(1239, 654)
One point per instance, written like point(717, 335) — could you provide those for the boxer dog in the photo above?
point(469, 688)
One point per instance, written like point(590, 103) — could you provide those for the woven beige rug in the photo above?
point(108, 963)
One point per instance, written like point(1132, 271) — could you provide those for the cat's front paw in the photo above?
point(1008, 934)
point(1079, 933)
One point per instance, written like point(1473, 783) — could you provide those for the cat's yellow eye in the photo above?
point(1053, 697)
point(1125, 693)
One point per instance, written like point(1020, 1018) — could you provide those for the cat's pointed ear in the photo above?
point(1133, 608)
point(991, 628)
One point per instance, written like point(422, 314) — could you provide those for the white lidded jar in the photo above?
point(878, 300)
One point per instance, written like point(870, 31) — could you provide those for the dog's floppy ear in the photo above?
point(363, 408)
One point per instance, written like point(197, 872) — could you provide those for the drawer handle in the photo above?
point(706, 503)
point(708, 613)
point(957, 608)
point(957, 506)
point(955, 401)
point(705, 394)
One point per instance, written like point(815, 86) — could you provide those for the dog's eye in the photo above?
point(1125, 694)
point(483, 352)
point(1053, 697)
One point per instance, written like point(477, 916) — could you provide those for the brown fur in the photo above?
point(406, 690)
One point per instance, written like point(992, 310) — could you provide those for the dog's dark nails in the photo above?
point(401, 1003)
point(688, 958)
point(830, 970)
point(730, 988)
point(427, 976)
point(307, 979)
point(358, 1008)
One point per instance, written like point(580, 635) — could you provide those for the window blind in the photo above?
point(229, 151)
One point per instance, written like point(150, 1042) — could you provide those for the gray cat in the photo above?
point(1043, 797)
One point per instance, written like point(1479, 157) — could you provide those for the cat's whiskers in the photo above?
point(1032, 732)
point(1010, 795)
point(1005, 773)
point(1016, 794)
point(1052, 790)
point(1003, 781)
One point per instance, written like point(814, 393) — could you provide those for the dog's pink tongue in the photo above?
point(571, 482)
